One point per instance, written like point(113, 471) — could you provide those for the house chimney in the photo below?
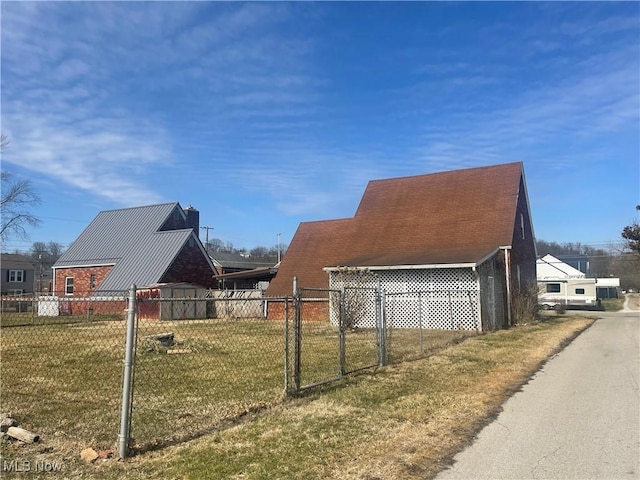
point(193, 219)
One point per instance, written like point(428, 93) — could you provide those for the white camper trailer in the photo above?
point(561, 284)
point(567, 292)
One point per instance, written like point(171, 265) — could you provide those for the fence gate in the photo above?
point(364, 328)
point(335, 332)
point(318, 344)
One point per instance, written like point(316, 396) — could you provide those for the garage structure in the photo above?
point(464, 235)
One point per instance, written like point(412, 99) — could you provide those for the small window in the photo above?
point(92, 281)
point(553, 288)
point(579, 291)
point(16, 276)
point(68, 286)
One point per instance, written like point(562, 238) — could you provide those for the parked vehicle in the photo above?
point(573, 292)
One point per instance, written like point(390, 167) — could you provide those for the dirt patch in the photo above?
point(632, 302)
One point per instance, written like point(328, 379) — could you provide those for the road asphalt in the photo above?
point(577, 418)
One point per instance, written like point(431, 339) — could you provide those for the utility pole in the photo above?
point(206, 243)
point(40, 274)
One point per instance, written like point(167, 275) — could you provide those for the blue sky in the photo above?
point(263, 115)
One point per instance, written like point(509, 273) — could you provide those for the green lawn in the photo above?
point(403, 422)
point(612, 304)
point(64, 381)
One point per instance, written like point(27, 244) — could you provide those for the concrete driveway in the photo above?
point(578, 417)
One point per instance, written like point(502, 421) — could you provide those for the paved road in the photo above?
point(578, 418)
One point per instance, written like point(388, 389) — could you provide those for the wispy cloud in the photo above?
point(272, 100)
point(576, 103)
point(75, 87)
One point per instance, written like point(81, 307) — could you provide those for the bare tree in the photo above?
point(358, 287)
point(17, 198)
point(55, 249)
point(46, 253)
point(631, 234)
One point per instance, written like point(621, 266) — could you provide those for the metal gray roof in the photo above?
point(130, 240)
point(235, 260)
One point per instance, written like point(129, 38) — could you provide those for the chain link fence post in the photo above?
point(297, 335)
point(286, 347)
point(420, 325)
point(381, 326)
point(342, 330)
point(127, 383)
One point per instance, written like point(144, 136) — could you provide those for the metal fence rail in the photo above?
point(317, 347)
point(61, 367)
point(193, 363)
point(191, 374)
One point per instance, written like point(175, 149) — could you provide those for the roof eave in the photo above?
point(85, 265)
point(425, 266)
point(430, 266)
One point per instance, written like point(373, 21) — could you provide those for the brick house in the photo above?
point(467, 232)
point(145, 246)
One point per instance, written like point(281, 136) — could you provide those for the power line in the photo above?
point(207, 238)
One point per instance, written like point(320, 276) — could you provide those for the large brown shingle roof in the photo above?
point(315, 245)
point(442, 218)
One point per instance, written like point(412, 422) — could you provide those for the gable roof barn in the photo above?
point(143, 245)
point(454, 217)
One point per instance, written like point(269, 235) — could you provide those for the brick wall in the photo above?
point(190, 266)
point(314, 311)
point(81, 279)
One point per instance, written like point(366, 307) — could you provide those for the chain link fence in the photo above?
point(418, 323)
point(191, 362)
point(61, 366)
point(215, 358)
point(317, 345)
point(192, 374)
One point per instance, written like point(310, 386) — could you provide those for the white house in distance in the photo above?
point(561, 284)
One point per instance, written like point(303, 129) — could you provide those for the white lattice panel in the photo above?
point(442, 310)
point(436, 298)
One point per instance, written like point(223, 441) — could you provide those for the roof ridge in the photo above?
point(449, 172)
point(140, 206)
point(328, 220)
point(172, 231)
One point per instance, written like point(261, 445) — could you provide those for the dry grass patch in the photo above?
point(403, 422)
point(464, 388)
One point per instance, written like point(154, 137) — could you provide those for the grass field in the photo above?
point(63, 381)
point(401, 422)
